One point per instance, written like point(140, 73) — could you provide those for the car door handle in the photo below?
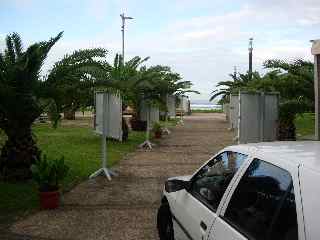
point(203, 226)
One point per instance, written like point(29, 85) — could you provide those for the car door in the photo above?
point(195, 209)
point(262, 206)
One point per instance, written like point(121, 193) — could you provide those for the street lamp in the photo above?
point(250, 57)
point(123, 18)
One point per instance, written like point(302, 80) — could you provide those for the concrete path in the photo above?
point(126, 207)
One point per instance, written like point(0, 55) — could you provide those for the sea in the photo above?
point(204, 105)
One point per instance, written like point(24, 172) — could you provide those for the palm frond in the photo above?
point(17, 44)
point(218, 94)
point(225, 83)
point(9, 51)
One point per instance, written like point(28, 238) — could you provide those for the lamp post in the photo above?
point(250, 57)
point(123, 18)
point(315, 50)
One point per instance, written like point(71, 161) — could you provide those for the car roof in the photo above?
point(304, 153)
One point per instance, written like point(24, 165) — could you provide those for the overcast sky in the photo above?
point(201, 39)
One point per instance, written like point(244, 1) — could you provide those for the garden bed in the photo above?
point(82, 150)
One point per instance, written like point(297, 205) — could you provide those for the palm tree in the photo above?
point(295, 79)
point(71, 80)
point(166, 82)
point(124, 76)
point(20, 104)
point(238, 82)
point(294, 82)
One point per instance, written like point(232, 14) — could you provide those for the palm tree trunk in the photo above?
point(18, 154)
point(287, 131)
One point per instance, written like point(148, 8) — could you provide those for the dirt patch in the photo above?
point(126, 207)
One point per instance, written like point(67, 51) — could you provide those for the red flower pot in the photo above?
point(49, 200)
point(158, 134)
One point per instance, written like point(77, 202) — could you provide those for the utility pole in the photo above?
point(315, 50)
point(123, 18)
point(235, 72)
point(250, 57)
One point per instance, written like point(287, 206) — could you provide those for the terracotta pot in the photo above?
point(49, 200)
point(157, 134)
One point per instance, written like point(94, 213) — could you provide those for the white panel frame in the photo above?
point(113, 107)
point(254, 120)
point(171, 105)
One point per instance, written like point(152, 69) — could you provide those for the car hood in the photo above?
point(183, 178)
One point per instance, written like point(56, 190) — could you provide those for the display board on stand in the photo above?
point(108, 123)
point(170, 113)
point(171, 106)
point(183, 108)
point(113, 121)
point(150, 114)
point(149, 111)
point(254, 116)
point(184, 104)
point(234, 111)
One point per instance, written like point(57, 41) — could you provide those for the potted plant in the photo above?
point(48, 174)
point(157, 130)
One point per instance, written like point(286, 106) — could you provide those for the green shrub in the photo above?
point(156, 127)
point(287, 113)
point(48, 174)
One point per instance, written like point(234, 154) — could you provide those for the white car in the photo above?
point(263, 191)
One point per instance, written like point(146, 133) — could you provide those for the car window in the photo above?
point(213, 179)
point(263, 204)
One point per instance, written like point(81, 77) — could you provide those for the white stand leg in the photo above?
point(104, 171)
point(147, 145)
point(181, 119)
point(166, 131)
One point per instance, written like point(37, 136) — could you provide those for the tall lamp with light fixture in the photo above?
point(123, 18)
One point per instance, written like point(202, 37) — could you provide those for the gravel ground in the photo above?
point(126, 207)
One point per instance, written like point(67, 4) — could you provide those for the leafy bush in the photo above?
point(49, 173)
point(156, 127)
point(287, 113)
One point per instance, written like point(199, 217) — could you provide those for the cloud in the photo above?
point(205, 48)
point(301, 12)
point(2, 41)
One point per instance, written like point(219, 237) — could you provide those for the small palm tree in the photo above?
point(71, 80)
point(238, 82)
point(19, 103)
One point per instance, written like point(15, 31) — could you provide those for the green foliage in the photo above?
point(20, 103)
point(19, 81)
point(305, 124)
point(290, 108)
point(138, 83)
point(156, 127)
point(239, 82)
point(66, 141)
point(294, 82)
point(48, 174)
point(72, 80)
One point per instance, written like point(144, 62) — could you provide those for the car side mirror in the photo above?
point(175, 185)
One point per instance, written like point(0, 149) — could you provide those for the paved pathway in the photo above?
point(125, 208)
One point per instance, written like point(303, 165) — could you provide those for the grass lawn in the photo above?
point(82, 150)
point(172, 122)
point(305, 125)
